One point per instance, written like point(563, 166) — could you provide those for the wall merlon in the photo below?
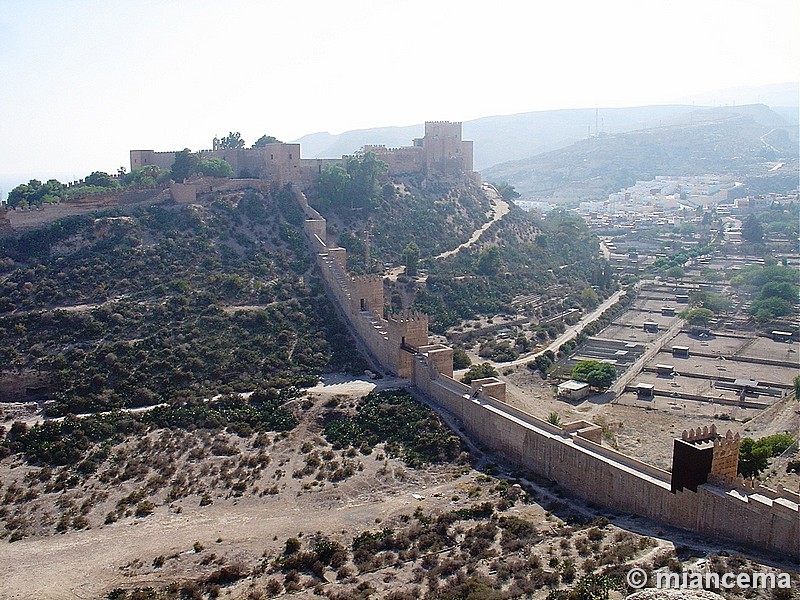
point(786, 507)
point(791, 495)
point(408, 316)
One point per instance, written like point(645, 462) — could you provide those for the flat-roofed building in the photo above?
point(680, 351)
point(573, 390)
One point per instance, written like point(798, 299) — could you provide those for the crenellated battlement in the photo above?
point(409, 316)
point(367, 279)
point(706, 434)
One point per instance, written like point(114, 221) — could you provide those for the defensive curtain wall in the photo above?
point(701, 494)
point(441, 152)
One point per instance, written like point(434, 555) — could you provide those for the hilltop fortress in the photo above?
point(440, 153)
point(702, 493)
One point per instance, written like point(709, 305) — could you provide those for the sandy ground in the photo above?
point(88, 563)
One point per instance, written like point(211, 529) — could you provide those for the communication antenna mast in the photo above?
point(596, 112)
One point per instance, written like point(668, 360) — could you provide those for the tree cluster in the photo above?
point(410, 429)
point(36, 193)
point(188, 163)
point(506, 190)
point(479, 371)
point(357, 184)
point(597, 374)
point(754, 455)
point(774, 288)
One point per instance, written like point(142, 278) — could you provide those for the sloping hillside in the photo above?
point(741, 141)
point(170, 303)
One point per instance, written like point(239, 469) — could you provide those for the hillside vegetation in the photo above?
point(167, 304)
point(435, 215)
point(554, 257)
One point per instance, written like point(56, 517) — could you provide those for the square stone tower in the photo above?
point(367, 294)
point(702, 456)
point(408, 331)
point(446, 154)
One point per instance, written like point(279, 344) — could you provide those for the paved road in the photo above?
point(570, 333)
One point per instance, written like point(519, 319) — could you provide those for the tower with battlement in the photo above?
point(446, 154)
point(725, 459)
point(408, 331)
point(701, 456)
point(367, 294)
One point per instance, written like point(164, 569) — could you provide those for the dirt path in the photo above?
point(501, 209)
point(571, 332)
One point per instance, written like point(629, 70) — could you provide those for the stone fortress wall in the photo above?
point(718, 504)
point(441, 152)
point(709, 500)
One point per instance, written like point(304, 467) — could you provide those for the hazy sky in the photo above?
point(83, 81)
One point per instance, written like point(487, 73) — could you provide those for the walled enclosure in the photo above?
point(572, 455)
point(441, 153)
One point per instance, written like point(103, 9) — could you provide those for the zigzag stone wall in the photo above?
point(571, 455)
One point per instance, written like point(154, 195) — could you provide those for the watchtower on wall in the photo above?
point(408, 328)
point(367, 294)
point(143, 158)
point(408, 331)
point(702, 456)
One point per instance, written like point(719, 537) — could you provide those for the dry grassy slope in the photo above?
point(241, 533)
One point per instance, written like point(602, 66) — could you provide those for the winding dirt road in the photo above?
point(500, 210)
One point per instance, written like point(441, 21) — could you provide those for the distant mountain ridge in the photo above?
point(774, 95)
point(502, 138)
point(743, 140)
point(506, 137)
